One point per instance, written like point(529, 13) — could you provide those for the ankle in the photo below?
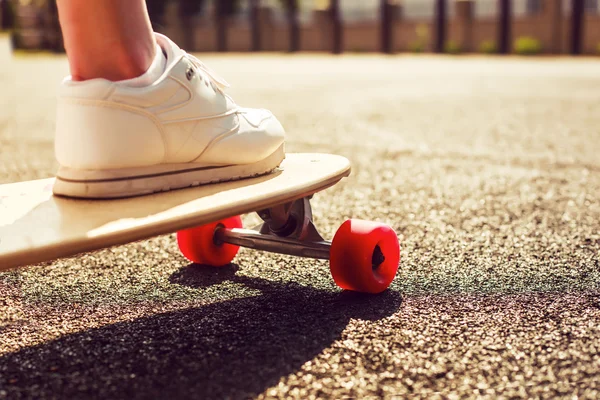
point(110, 39)
point(122, 64)
point(152, 73)
point(133, 63)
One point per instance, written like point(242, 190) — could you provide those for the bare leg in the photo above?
point(110, 39)
point(114, 141)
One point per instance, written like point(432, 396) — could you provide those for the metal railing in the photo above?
point(331, 25)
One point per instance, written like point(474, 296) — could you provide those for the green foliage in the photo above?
point(527, 45)
point(419, 45)
point(452, 47)
point(416, 47)
point(422, 31)
point(488, 47)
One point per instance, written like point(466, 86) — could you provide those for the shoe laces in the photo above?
point(215, 78)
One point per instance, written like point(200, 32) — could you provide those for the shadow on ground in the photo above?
point(233, 349)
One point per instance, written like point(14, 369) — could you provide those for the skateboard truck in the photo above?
point(363, 255)
point(287, 229)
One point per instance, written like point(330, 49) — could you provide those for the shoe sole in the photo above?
point(112, 184)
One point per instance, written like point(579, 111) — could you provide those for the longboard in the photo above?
point(37, 226)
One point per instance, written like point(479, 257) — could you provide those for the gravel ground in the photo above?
point(486, 167)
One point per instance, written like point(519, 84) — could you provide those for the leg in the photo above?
point(160, 118)
point(118, 29)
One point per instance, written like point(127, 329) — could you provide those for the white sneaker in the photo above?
point(113, 140)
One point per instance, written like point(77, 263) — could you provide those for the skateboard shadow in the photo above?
point(232, 349)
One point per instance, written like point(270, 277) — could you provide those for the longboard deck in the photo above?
point(36, 226)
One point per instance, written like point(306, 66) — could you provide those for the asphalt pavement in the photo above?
point(488, 170)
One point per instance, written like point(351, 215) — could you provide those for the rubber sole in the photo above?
point(111, 184)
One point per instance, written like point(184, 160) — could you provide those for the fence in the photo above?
point(390, 26)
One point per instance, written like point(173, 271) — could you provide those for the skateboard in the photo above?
point(37, 226)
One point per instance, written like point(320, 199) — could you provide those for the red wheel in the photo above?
point(364, 256)
point(198, 245)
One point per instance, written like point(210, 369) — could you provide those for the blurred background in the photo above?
point(389, 26)
point(486, 166)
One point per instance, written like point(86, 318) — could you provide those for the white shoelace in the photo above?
point(221, 83)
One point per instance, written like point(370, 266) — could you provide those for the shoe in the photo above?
point(115, 141)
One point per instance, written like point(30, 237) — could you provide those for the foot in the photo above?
point(114, 140)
